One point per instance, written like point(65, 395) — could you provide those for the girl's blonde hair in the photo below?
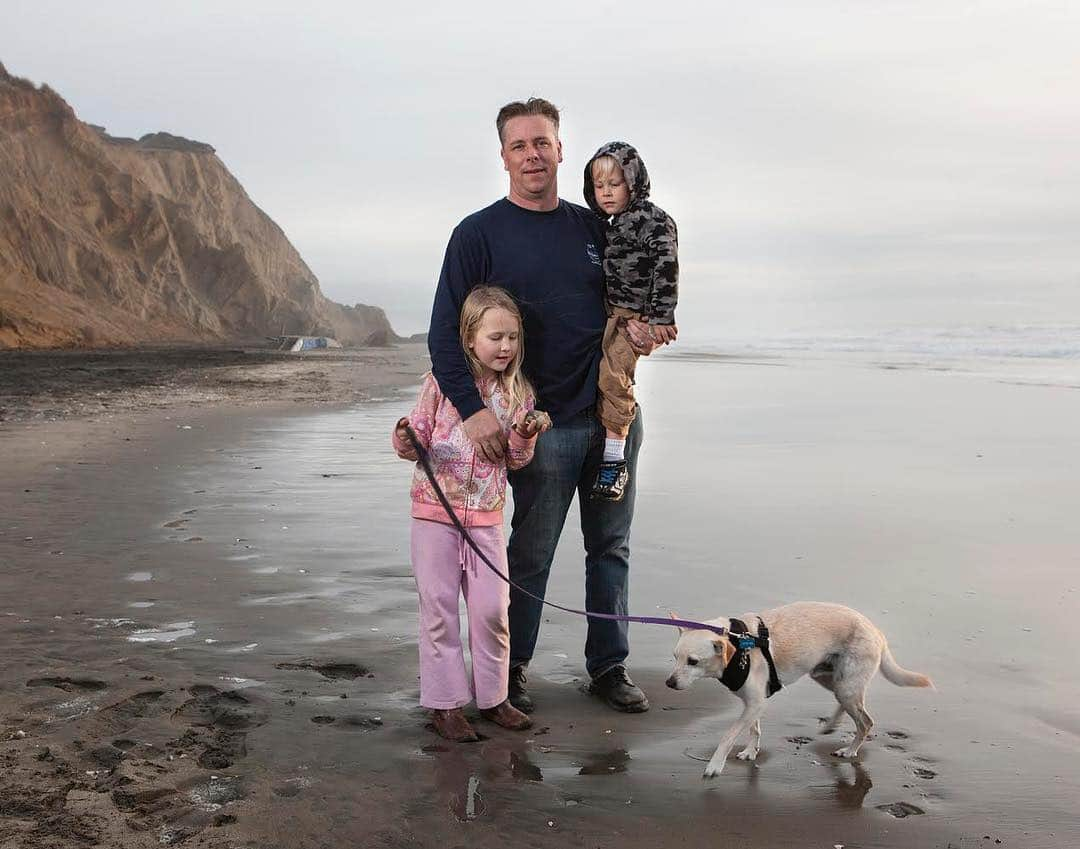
point(479, 301)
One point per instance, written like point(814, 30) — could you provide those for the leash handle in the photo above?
point(425, 463)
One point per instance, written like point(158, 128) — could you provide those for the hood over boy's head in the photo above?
point(633, 168)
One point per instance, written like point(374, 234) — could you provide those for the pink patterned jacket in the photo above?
point(475, 488)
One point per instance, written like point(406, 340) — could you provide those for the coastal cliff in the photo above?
point(109, 241)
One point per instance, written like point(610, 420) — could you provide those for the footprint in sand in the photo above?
point(605, 763)
point(328, 669)
point(138, 706)
point(69, 685)
point(210, 706)
point(175, 523)
point(218, 723)
point(361, 723)
point(291, 787)
point(901, 809)
point(220, 790)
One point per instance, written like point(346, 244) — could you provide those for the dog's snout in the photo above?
point(673, 682)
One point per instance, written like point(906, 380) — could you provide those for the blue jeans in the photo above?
point(566, 461)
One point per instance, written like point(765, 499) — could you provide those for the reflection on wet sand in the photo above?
point(471, 780)
point(850, 792)
point(466, 777)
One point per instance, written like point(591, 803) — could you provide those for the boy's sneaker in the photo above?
point(519, 696)
point(611, 480)
point(616, 688)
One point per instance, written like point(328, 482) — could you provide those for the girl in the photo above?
point(443, 563)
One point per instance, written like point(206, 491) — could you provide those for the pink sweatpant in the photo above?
point(445, 567)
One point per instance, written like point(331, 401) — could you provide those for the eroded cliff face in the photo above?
point(107, 241)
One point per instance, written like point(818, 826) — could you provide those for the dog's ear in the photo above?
point(675, 615)
point(723, 647)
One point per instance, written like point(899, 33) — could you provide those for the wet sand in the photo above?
point(99, 385)
point(210, 626)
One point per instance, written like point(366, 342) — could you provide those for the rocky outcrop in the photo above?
point(109, 241)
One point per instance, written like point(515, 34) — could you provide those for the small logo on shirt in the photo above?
point(593, 253)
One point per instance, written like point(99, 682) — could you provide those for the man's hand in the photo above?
point(665, 334)
point(640, 336)
point(486, 435)
point(532, 423)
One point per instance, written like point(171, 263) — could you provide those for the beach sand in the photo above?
point(209, 622)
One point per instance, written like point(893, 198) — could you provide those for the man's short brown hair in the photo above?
point(532, 106)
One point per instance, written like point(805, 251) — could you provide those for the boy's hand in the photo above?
point(532, 423)
point(640, 336)
point(665, 334)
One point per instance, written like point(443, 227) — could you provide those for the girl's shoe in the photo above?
point(453, 726)
point(507, 716)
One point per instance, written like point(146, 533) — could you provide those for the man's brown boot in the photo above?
point(507, 716)
point(452, 725)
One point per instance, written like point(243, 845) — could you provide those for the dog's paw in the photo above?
point(712, 771)
point(846, 752)
point(747, 755)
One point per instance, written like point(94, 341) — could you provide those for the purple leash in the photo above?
point(425, 463)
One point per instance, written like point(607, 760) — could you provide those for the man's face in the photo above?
point(531, 153)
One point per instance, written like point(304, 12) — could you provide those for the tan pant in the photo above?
point(616, 406)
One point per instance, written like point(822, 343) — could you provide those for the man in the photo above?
point(547, 254)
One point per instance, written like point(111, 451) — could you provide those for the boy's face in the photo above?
point(612, 193)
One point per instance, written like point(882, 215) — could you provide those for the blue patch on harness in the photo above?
point(747, 643)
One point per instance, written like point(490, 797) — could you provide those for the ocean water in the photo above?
point(1035, 353)
point(1051, 341)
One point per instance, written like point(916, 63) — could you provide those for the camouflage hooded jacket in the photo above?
point(641, 263)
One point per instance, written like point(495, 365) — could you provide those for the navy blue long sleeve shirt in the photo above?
point(550, 262)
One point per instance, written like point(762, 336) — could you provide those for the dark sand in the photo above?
point(209, 622)
point(54, 385)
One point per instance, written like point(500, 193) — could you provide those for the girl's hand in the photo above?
point(532, 423)
point(665, 334)
point(400, 432)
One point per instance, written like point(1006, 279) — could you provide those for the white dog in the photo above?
point(838, 647)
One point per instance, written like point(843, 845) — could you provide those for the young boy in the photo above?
point(641, 273)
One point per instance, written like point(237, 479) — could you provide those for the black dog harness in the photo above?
point(738, 669)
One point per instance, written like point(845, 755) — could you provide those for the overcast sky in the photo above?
point(840, 165)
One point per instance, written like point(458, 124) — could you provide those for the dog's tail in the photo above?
point(898, 675)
